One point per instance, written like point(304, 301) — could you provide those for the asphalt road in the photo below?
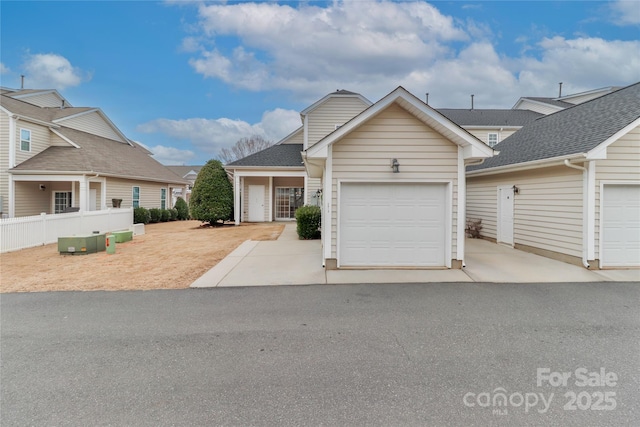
point(347, 355)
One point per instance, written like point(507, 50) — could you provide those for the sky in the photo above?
point(187, 78)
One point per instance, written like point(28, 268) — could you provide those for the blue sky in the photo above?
point(187, 78)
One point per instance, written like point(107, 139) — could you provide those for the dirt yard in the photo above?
point(169, 255)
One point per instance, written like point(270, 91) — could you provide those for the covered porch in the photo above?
point(265, 196)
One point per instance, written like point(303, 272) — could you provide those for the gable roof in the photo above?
point(183, 171)
point(474, 148)
point(495, 118)
point(341, 93)
point(279, 155)
point(98, 155)
point(574, 131)
point(52, 116)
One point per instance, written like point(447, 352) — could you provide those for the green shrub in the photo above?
point(308, 218)
point(212, 195)
point(173, 214)
point(141, 216)
point(164, 215)
point(182, 208)
point(155, 215)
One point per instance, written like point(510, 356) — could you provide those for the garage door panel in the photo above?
point(385, 224)
point(621, 226)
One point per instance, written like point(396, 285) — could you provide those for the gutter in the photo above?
point(534, 164)
point(585, 217)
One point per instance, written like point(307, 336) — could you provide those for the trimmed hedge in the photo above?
point(155, 214)
point(173, 214)
point(182, 208)
point(308, 218)
point(141, 216)
point(164, 215)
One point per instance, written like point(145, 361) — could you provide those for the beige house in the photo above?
point(393, 183)
point(55, 158)
point(271, 184)
point(567, 185)
point(188, 173)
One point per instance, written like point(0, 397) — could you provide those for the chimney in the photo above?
point(560, 90)
point(427, 98)
point(21, 81)
point(472, 101)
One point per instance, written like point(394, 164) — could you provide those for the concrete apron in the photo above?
point(289, 261)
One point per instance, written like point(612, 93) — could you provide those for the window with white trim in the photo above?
point(61, 201)
point(135, 196)
point(25, 140)
point(288, 200)
point(492, 139)
point(163, 198)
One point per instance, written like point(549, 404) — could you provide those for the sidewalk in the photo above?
point(289, 261)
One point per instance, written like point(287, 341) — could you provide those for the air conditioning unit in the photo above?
point(81, 245)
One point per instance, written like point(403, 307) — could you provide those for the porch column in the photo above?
point(307, 201)
point(236, 198)
point(461, 215)
point(84, 194)
point(270, 199)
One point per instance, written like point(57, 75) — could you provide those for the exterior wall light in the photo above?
point(516, 190)
point(395, 165)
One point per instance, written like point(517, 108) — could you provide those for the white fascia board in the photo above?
point(314, 167)
point(67, 140)
point(600, 152)
point(36, 175)
point(473, 152)
point(272, 172)
point(497, 128)
point(604, 90)
point(535, 164)
point(533, 101)
point(28, 119)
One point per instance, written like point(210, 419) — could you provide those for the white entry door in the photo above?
point(505, 214)
point(92, 199)
point(393, 225)
point(620, 226)
point(256, 203)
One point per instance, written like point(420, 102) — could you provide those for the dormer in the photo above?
point(329, 113)
point(40, 98)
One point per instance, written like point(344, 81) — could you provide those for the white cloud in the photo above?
point(314, 49)
point(625, 12)
point(210, 135)
point(50, 70)
point(171, 155)
point(4, 69)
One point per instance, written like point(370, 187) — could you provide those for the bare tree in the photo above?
point(243, 147)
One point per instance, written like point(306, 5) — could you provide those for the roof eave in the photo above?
point(534, 164)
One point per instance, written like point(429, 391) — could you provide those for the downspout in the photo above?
point(13, 120)
point(585, 218)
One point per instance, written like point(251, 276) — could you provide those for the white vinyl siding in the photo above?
point(547, 211)
point(43, 100)
point(92, 123)
point(123, 189)
point(313, 185)
point(336, 110)
point(4, 162)
point(296, 138)
point(424, 155)
point(622, 165)
point(40, 140)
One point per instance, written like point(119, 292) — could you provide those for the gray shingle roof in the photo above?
point(279, 155)
point(574, 130)
point(45, 114)
point(99, 155)
point(466, 117)
point(182, 171)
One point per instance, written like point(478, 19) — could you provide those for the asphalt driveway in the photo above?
point(427, 354)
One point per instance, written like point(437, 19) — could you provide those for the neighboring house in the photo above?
point(271, 184)
point(394, 186)
point(567, 185)
point(189, 173)
point(490, 126)
point(54, 157)
point(551, 105)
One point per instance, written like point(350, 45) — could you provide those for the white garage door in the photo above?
point(621, 226)
point(392, 225)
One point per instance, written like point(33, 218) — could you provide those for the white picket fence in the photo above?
point(29, 231)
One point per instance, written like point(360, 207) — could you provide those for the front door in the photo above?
point(256, 203)
point(505, 214)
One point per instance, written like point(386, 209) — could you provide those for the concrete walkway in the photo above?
point(289, 261)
